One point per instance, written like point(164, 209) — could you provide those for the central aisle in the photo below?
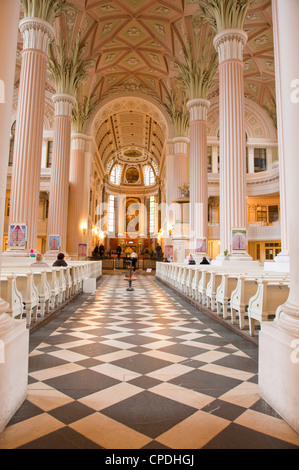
point(142, 370)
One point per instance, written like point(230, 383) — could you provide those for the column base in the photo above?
point(235, 260)
point(279, 371)
point(18, 253)
point(180, 250)
point(281, 263)
point(14, 370)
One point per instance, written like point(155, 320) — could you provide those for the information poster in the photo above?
point(82, 250)
point(168, 251)
point(239, 240)
point(201, 245)
point(54, 242)
point(17, 236)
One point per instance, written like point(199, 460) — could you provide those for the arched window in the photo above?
point(115, 175)
point(149, 175)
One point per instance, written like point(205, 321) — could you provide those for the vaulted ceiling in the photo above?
point(135, 43)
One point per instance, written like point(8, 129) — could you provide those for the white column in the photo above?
point(279, 340)
point(25, 186)
point(9, 20)
point(86, 190)
point(59, 188)
point(14, 337)
point(198, 109)
point(180, 164)
point(77, 217)
point(170, 193)
point(233, 205)
point(283, 256)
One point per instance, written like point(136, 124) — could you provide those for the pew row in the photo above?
point(269, 296)
point(34, 291)
point(11, 295)
point(241, 298)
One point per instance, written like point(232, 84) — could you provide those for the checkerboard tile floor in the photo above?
point(142, 370)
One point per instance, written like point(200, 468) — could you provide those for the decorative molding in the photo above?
point(37, 34)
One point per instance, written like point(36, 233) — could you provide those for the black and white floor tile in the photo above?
point(142, 370)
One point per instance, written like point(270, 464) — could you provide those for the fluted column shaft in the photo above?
point(37, 35)
point(77, 216)
point(288, 35)
point(279, 340)
point(180, 164)
point(233, 205)
point(9, 20)
point(59, 188)
point(198, 109)
point(170, 193)
point(284, 255)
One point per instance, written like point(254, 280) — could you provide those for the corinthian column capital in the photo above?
point(170, 147)
point(230, 44)
point(64, 104)
point(180, 145)
point(79, 142)
point(198, 109)
point(37, 34)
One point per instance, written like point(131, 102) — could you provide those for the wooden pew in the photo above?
point(269, 296)
point(224, 291)
point(43, 288)
point(202, 286)
point(25, 284)
point(10, 293)
point(246, 288)
point(211, 290)
point(189, 280)
point(195, 281)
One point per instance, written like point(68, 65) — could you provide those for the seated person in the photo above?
point(191, 260)
point(60, 260)
point(204, 261)
point(39, 262)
